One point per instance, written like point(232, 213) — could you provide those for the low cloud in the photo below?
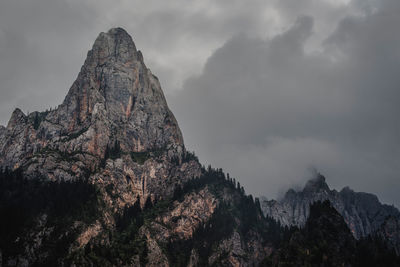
point(43, 43)
point(267, 110)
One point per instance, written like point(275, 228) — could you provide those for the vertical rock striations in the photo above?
point(362, 212)
point(113, 131)
point(114, 128)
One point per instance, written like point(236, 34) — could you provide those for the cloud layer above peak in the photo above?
point(268, 110)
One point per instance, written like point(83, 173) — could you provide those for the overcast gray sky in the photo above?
point(265, 89)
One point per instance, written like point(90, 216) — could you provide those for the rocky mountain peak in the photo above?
point(363, 212)
point(318, 183)
point(17, 117)
point(115, 104)
point(346, 190)
point(116, 44)
point(115, 90)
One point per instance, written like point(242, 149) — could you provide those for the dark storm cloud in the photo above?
point(266, 110)
point(37, 65)
point(43, 43)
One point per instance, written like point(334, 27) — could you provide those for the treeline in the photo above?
point(245, 209)
point(326, 240)
point(23, 201)
point(243, 214)
point(125, 242)
point(186, 157)
point(114, 151)
point(205, 238)
point(210, 176)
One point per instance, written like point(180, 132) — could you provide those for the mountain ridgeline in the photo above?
point(362, 212)
point(105, 180)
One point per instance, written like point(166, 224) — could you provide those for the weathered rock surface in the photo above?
point(325, 240)
point(113, 130)
point(179, 223)
point(390, 232)
point(115, 103)
point(362, 212)
point(177, 229)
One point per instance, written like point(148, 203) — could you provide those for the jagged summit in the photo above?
point(118, 35)
point(116, 44)
point(114, 90)
point(318, 183)
point(362, 212)
point(114, 81)
point(17, 117)
point(115, 104)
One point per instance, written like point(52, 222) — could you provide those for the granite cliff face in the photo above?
point(362, 212)
point(116, 104)
point(114, 130)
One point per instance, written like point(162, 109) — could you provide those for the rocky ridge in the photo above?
point(325, 240)
point(114, 130)
point(362, 212)
point(115, 104)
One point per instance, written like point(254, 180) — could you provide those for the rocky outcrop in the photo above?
point(115, 106)
point(114, 130)
point(181, 228)
point(325, 240)
point(184, 217)
point(178, 223)
point(390, 232)
point(362, 212)
point(233, 248)
point(188, 215)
